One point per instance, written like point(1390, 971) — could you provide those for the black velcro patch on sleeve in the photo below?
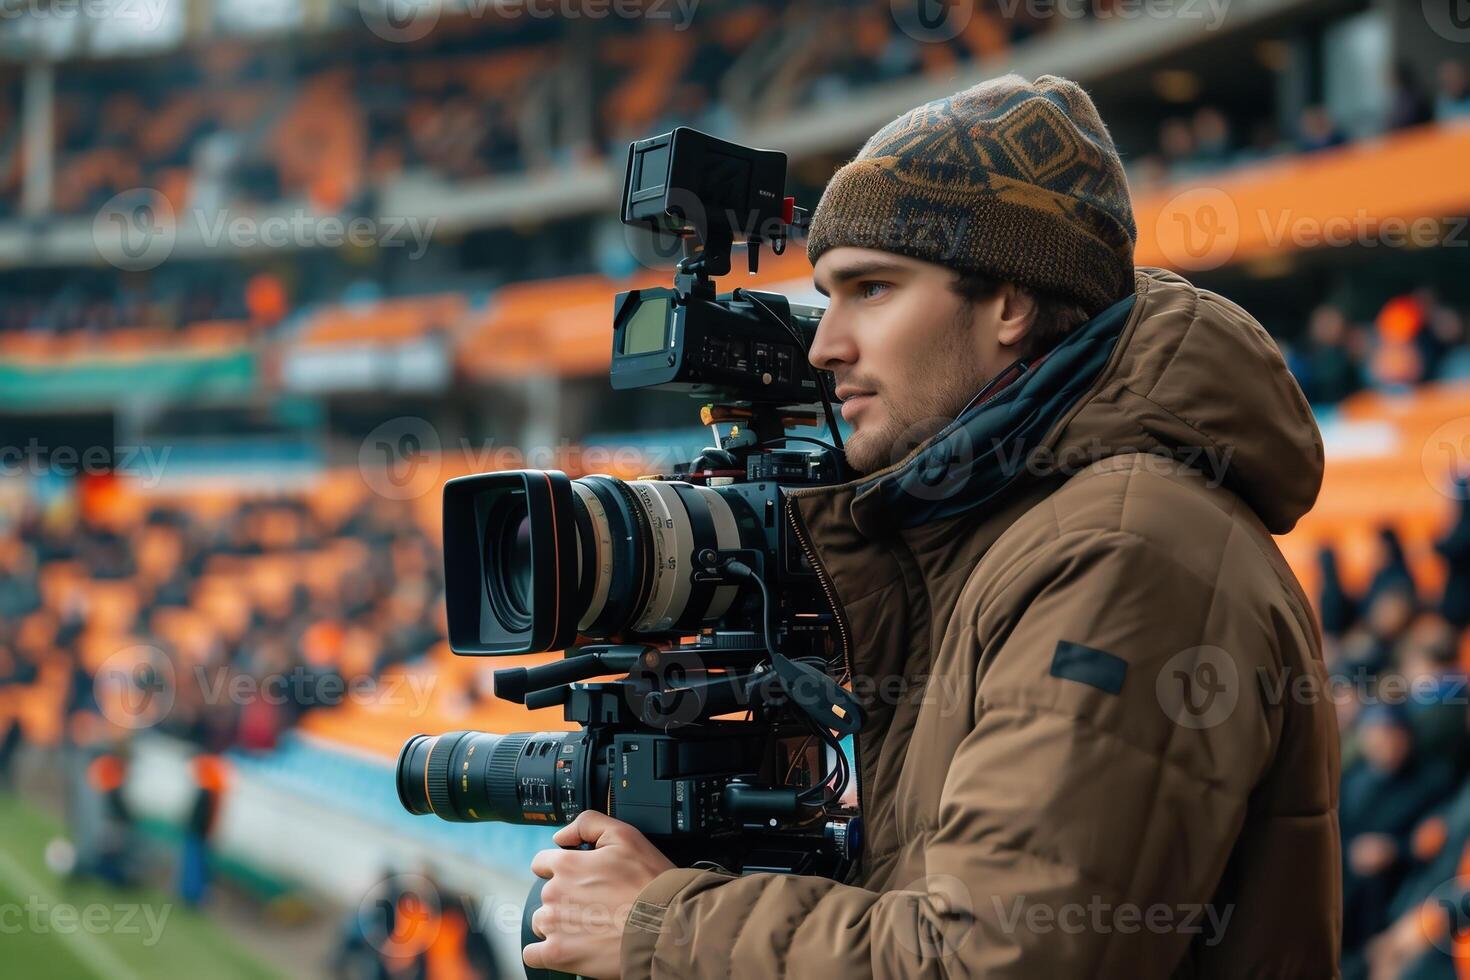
point(1098, 668)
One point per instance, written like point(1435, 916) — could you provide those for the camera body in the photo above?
point(720, 738)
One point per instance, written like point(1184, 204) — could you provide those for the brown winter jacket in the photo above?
point(1097, 740)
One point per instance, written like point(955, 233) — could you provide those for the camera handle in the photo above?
point(533, 902)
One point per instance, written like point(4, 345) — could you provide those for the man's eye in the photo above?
point(865, 290)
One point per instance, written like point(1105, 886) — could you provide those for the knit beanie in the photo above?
point(1011, 179)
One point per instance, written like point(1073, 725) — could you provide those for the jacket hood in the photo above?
point(1172, 370)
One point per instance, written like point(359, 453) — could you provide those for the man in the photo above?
point(1111, 753)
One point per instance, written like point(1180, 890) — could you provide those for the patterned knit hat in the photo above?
point(1015, 180)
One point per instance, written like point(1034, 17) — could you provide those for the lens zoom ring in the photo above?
point(500, 775)
point(436, 771)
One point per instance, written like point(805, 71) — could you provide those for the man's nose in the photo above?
point(832, 345)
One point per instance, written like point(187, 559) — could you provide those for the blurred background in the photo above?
point(272, 270)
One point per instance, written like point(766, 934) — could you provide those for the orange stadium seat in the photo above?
point(1248, 202)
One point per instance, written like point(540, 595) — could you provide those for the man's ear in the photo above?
point(1017, 307)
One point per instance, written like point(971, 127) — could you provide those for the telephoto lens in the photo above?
point(525, 777)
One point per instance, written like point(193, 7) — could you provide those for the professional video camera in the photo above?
point(720, 740)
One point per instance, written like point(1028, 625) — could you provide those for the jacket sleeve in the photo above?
point(1116, 728)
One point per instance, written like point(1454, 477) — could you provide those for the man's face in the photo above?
point(907, 351)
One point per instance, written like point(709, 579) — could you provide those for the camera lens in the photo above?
point(507, 562)
point(515, 558)
point(525, 777)
point(533, 559)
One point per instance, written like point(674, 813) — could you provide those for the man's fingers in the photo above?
point(571, 834)
point(591, 826)
point(550, 954)
point(543, 865)
point(538, 922)
point(534, 955)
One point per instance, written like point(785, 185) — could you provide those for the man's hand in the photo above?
point(586, 902)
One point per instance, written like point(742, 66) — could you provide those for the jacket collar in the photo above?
point(977, 456)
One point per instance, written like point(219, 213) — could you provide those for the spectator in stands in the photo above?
point(1428, 659)
point(1339, 611)
point(1316, 130)
point(1408, 105)
point(1451, 354)
point(1453, 99)
point(1265, 142)
point(1393, 573)
point(1384, 794)
point(1329, 367)
point(1212, 146)
point(1367, 649)
point(1454, 603)
point(1176, 146)
point(1429, 905)
point(1402, 348)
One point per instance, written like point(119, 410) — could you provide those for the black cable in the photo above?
point(841, 769)
point(744, 570)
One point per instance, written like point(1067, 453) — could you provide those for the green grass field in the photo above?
point(53, 928)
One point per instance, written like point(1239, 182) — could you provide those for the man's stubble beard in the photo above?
point(956, 380)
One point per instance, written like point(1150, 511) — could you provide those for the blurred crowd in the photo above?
point(93, 302)
point(273, 590)
point(1208, 140)
point(1413, 339)
point(219, 626)
point(330, 119)
point(1397, 660)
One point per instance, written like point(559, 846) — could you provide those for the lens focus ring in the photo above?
point(500, 774)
